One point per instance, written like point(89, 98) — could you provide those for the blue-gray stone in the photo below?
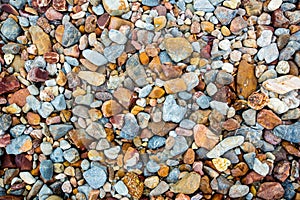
point(136, 71)
point(121, 188)
point(95, 177)
point(152, 166)
point(156, 142)
point(289, 190)
point(15, 146)
point(59, 130)
point(71, 35)
point(46, 169)
point(113, 52)
point(72, 61)
point(94, 57)
point(249, 158)
point(289, 133)
point(173, 175)
point(180, 146)
point(5, 122)
point(203, 5)
point(17, 130)
point(85, 189)
point(130, 128)
point(203, 102)
point(18, 4)
point(33, 103)
point(145, 91)
point(57, 155)
point(172, 111)
point(23, 21)
point(225, 15)
point(98, 10)
point(10, 29)
point(59, 102)
point(11, 48)
point(71, 155)
point(150, 2)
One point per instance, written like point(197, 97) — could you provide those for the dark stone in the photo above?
point(38, 75)
point(8, 84)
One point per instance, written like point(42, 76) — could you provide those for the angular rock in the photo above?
point(19, 145)
point(92, 78)
point(225, 15)
point(172, 111)
point(40, 39)
point(282, 84)
point(8, 84)
point(59, 130)
point(94, 57)
point(95, 177)
point(270, 190)
point(71, 35)
point(268, 119)
point(289, 133)
point(178, 48)
point(130, 128)
point(188, 184)
point(10, 29)
point(204, 137)
point(136, 71)
point(203, 5)
point(46, 169)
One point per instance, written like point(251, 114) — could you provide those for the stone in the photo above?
point(59, 102)
point(113, 52)
point(219, 106)
point(249, 117)
point(265, 38)
point(93, 78)
point(71, 155)
point(172, 111)
point(136, 71)
point(260, 168)
point(268, 119)
point(94, 57)
point(221, 164)
point(130, 128)
point(71, 35)
point(117, 36)
point(8, 84)
point(282, 170)
point(40, 39)
point(238, 24)
point(246, 80)
point(204, 137)
point(134, 184)
point(188, 184)
point(96, 130)
point(151, 182)
point(283, 67)
point(175, 85)
point(277, 106)
point(282, 84)
point(274, 5)
point(37, 75)
point(150, 2)
point(237, 191)
point(225, 15)
point(19, 97)
point(10, 29)
point(203, 5)
point(161, 188)
point(288, 132)
point(27, 177)
point(5, 122)
point(46, 169)
point(121, 188)
point(178, 48)
point(156, 142)
point(59, 130)
point(270, 190)
point(46, 109)
point(19, 145)
point(268, 53)
point(225, 145)
point(95, 177)
point(191, 80)
point(111, 108)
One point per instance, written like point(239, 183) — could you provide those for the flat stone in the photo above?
point(265, 38)
point(268, 53)
point(92, 78)
point(237, 191)
point(27, 177)
point(288, 132)
point(175, 85)
point(71, 155)
point(121, 188)
point(117, 36)
point(150, 2)
point(203, 5)
point(188, 184)
point(277, 106)
point(225, 145)
point(161, 188)
point(10, 29)
point(96, 130)
point(59, 102)
point(59, 130)
point(204, 137)
point(156, 142)
point(172, 111)
point(136, 71)
point(8, 84)
point(37, 75)
point(224, 15)
point(270, 190)
point(178, 48)
point(113, 52)
point(283, 84)
point(94, 57)
point(268, 119)
point(19, 145)
point(95, 177)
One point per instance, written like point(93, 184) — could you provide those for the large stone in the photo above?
point(19, 145)
point(283, 84)
point(136, 71)
point(92, 78)
point(188, 184)
point(268, 119)
point(8, 84)
point(204, 137)
point(225, 15)
point(178, 48)
point(270, 190)
point(59, 130)
point(268, 53)
point(289, 133)
point(95, 177)
point(10, 29)
point(246, 80)
point(71, 35)
point(40, 39)
point(94, 57)
point(130, 128)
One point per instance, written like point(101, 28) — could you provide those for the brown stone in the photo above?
point(268, 119)
point(204, 137)
point(271, 138)
point(134, 184)
point(257, 100)
point(188, 184)
point(59, 33)
point(72, 51)
point(116, 23)
point(189, 156)
point(33, 118)
point(279, 20)
point(19, 97)
point(253, 7)
point(90, 24)
point(37, 75)
point(175, 85)
point(80, 138)
point(123, 96)
point(230, 125)
point(11, 197)
point(246, 80)
point(23, 162)
point(4, 140)
point(59, 5)
point(51, 57)
point(205, 185)
point(170, 71)
point(8, 84)
point(61, 78)
point(290, 148)
point(156, 93)
point(237, 25)
point(282, 170)
point(40, 39)
point(270, 190)
point(251, 178)
point(163, 171)
point(239, 169)
point(52, 14)
point(110, 108)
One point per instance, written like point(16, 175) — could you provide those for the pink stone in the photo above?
point(52, 14)
point(37, 75)
point(8, 84)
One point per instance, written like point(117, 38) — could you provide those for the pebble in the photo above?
point(268, 53)
point(225, 145)
point(46, 169)
point(19, 145)
point(94, 57)
point(71, 35)
point(121, 188)
point(237, 191)
point(178, 48)
point(95, 177)
point(288, 132)
point(172, 111)
point(270, 190)
point(93, 78)
point(156, 142)
point(10, 29)
point(130, 128)
point(71, 155)
point(46, 148)
point(283, 84)
point(188, 184)
point(59, 130)
point(27, 178)
point(117, 37)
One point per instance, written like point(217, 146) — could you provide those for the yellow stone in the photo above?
point(136, 109)
point(12, 109)
point(160, 22)
point(175, 85)
point(207, 26)
point(221, 164)
point(195, 61)
point(95, 114)
point(225, 31)
point(61, 79)
point(58, 167)
point(156, 93)
point(203, 62)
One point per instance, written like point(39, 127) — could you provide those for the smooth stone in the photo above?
point(46, 148)
point(46, 109)
point(95, 177)
point(27, 178)
point(277, 105)
point(289, 133)
point(93, 78)
point(225, 145)
point(156, 142)
point(71, 155)
point(237, 191)
point(150, 2)
point(188, 184)
point(268, 53)
point(94, 57)
point(282, 84)
point(33, 103)
point(260, 168)
point(59, 102)
point(17, 130)
point(5, 122)
point(10, 29)
point(203, 5)
point(59, 130)
point(219, 106)
point(46, 169)
point(178, 48)
point(57, 155)
point(161, 188)
point(121, 188)
point(40, 39)
point(224, 15)
point(117, 37)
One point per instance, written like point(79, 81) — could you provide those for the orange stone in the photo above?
point(156, 93)
point(134, 184)
point(175, 85)
point(33, 118)
point(189, 156)
point(246, 79)
point(163, 171)
point(110, 108)
point(61, 79)
point(59, 33)
point(268, 119)
point(19, 97)
point(204, 137)
point(144, 59)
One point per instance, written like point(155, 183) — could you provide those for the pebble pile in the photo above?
point(149, 99)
